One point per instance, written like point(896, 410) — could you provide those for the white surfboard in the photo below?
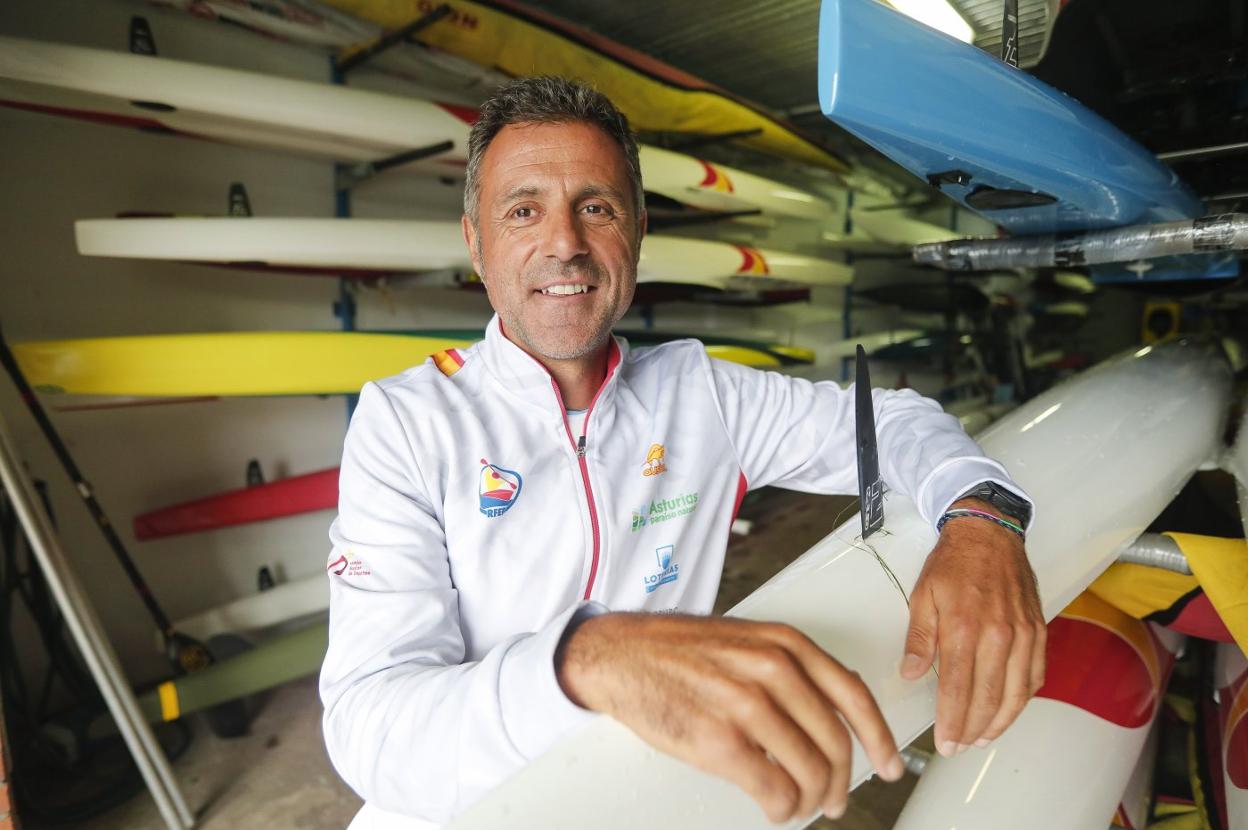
point(1105, 452)
point(408, 245)
point(323, 120)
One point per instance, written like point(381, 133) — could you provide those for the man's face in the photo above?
point(557, 236)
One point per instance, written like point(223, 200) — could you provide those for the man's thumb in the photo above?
point(920, 640)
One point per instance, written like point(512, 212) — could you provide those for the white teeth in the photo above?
point(566, 289)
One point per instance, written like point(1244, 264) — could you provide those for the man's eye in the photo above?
point(597, 210)
point(522, 213)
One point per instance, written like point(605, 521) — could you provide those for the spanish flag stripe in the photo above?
point(448, 362)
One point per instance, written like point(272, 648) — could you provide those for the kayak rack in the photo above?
point(350, 58)
point(349, 176)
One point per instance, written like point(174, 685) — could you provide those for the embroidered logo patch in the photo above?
point(664, 509)
point(348, 564)
point(668, 571)
point(499, 489)
point(654, 461)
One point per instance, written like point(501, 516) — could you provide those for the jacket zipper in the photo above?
point(578, 446)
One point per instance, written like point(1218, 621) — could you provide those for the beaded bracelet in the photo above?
point(979, 514)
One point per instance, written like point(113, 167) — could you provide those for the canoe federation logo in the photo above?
point(499, 489)
point(654, 461)
point(668, 571)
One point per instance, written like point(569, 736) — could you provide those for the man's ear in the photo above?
point(644, 218)
point(470, 239)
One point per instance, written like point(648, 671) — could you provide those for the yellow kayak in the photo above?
point(521, 40)
point(224, 364)
point(233, 364)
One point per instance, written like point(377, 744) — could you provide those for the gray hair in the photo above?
point(546, 99)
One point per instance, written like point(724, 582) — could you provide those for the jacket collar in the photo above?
point(523, 376)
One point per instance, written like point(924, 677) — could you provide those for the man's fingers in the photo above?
point(1039, 656)
point(921, 637)
point(851, 697)
point(992, 656)
point(1017, 685)
point(772, 728)
point(731, 755)
point(837, 797)
point(958, 636)
point(811, 709)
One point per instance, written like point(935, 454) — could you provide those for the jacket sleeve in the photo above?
point(409, 725)
point(793, 433)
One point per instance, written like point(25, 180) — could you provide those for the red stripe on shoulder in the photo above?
point(448, 362)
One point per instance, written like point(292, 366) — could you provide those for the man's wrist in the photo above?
point(574, 658)
point(1003, 501)
point(973, 518)
point(974, 503)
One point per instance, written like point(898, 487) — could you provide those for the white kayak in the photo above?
point(410, 245)
point(323, 120)
point(1076, 743)
point(283, 603)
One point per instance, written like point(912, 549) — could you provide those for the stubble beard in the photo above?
point(552, 345)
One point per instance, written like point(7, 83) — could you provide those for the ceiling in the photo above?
point(766, 50)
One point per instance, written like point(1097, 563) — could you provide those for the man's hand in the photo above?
point(976, 605)
point(756, 703)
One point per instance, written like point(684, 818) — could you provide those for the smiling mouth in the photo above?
point(565, 290)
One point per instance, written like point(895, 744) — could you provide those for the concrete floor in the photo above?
point(278, 777)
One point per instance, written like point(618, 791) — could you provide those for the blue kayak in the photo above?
point(1018, 152)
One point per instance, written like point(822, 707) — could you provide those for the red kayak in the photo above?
point(288, 497)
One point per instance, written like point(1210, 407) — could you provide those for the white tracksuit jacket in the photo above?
point(470, 531)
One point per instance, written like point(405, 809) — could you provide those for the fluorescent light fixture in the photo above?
point(938, 14)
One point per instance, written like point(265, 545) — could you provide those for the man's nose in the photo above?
point(563, 236)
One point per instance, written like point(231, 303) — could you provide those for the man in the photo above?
point(493, 544)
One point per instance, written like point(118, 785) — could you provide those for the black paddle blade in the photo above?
point(870, 487)
point(1009, 33)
